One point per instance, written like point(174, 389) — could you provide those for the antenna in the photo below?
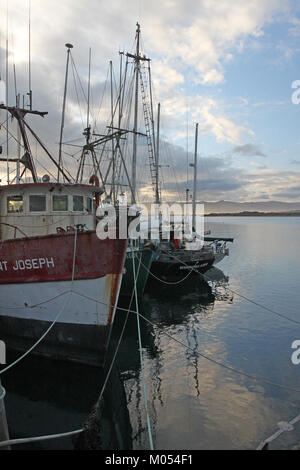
point(112, 140)
point(0, 58)
point(15, 82)
point(157, 157)
point(29, 56)
point(6, 95)
point(195, 179)
point(89, 91)
point(69, 47)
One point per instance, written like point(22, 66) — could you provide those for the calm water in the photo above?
point(193, 403)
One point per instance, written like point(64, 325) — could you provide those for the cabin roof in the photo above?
point(68, 186)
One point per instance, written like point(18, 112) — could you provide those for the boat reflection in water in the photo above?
point(166, 311)
point(48, 397)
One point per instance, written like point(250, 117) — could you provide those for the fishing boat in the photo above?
point(59, 282)
point(140, 253)
point(180, 255)
point(113, 145)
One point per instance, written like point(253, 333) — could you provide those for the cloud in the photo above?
point(263, 196)
point(204, 35)
point(208, 112)
point(276, 183)
point(293, 192)
point(249, 150)
point(295, 162)
point(287, 195)
point(190, 44)
point(184, 39)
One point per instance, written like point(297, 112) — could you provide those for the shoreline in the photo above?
point(253, 214)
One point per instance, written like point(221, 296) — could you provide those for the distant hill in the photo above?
point(265, 206)
point(255, 214)
point(229, 207)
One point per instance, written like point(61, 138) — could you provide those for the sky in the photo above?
point(230, 66)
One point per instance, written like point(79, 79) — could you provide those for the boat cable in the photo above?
point(74, 292)
point(141, 354)
point(45, 225)
point(2, 143)
point(76, 431)
point(214, 361)
point(221, 364)
point(11, 135)
point(3, 393)
point(209, 279)
point(4, 122)
point(27, 440)
point(283, 427)
point(237, 371)
point(54, 436)
point(57, 316)
point(166, 282)
point(120, 338)
point(76, 91)
point(36, 305)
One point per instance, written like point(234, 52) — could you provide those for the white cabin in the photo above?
point(35, 209)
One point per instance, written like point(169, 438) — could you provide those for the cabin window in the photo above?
point(77, 203)
point(37, 203)
point(14, 204)
point(89, 204)
point(60, 203)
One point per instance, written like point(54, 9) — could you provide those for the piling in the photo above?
point(4, 436)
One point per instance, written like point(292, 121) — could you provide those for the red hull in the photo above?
point(50, 258)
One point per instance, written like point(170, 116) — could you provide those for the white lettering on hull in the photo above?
point(35, 263)
point(3, 265)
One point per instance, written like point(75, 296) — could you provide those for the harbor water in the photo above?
point(193, 403)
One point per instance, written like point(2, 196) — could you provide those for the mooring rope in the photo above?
point(3, 393)
point(119, 341)
point(36, 305)
point(232, 369)
point(56, 318)
point(283, 427)
point(77, 431)
point(166, 282)
point(27, 440)
point(191, 269)
point(141, 357)
point(207, 278)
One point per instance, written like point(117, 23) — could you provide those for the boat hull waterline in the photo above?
point(36, 285)
point(142, 265)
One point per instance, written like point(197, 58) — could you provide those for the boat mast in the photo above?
point(137, 70)
point(6, 98)
point(157, 198)
point(195, 181)
point(113, 191)
point(89, 92)
point(69, 47)
point(29, 57)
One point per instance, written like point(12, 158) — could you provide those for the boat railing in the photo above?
point(16, 229)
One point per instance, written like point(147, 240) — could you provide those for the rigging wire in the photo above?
point(207, 278)
point(57, 316)
point(76, 91)
point(221, 364)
